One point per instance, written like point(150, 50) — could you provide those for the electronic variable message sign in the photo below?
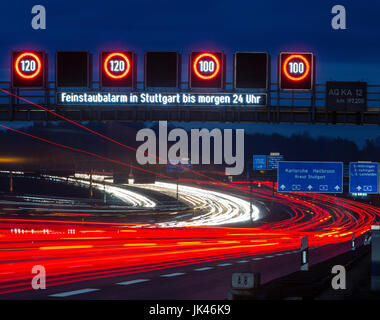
point(73, 69)
point(313, 177)
point(364, 177)
point(65, 97)
point(296, 71)
point(346, 96)
point(251, 70)
point(117, 69)
point(28, 69)
point(162, 69)
point(207, 70)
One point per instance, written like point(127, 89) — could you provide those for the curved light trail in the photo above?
point(216, 208)
point(133, 198)
point(73, 251)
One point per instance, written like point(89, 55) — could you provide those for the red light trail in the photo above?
point(74, 251)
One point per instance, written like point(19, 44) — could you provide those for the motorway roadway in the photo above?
point(116, 260)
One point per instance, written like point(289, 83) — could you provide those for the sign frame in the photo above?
point(178, 75)
point(44, 67)
point(331, 103)
point(267, 69)
point(89, 69)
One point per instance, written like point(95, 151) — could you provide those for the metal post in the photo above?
point(11, 104)
point(177, 184)
point(91, 191)
point(105, 195)
point(304, 254)
point(10, 181)
point(375, 258)
point(250, 197)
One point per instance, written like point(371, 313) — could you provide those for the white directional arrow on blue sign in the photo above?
point(313, 177)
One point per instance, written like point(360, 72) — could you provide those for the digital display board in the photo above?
point(28, 69)
point(73, 69)
point(117, 69)
point(251, 70)
point(296, 71)
point(161, 99)
point(162, 69)
point(207, 70)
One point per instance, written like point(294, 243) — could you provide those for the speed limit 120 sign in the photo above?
point(28, 69)
point(117, 69)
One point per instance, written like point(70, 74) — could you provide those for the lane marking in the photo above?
point(269, 257)
point(243, 261)
point(172, 274)
point(72, 293)
point(224, 264)
point(203, 269)
point(257, 259)
point(126, 283)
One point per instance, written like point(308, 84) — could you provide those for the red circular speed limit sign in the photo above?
point(206, 66)
point(28, 65)
point(117, 65)
point(296, 67)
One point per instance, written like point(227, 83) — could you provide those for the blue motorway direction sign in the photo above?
point(273, 160)
point(364, 177)
point(259, 162)
point(314, 177)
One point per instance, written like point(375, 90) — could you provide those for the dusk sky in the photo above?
point(272, 26)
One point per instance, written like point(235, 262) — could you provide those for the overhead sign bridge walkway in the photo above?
point(281, 107)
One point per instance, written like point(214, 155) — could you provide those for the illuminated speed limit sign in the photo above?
point(206, 70)
point(117, 69)
point(28, 69)
point(296, 71)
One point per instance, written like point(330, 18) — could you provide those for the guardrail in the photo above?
point(307, 283)
point(282, 107)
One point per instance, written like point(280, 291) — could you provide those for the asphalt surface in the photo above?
point(206, 281)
